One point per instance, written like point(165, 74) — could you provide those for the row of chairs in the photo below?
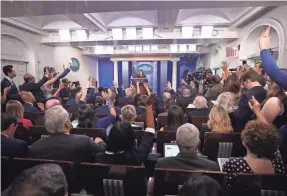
point(120, 180)
point(216, 145)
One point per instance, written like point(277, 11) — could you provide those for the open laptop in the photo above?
point(170, 150)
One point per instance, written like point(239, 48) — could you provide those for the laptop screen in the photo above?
point(170, 150)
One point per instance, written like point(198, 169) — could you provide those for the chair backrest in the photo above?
point(14, 167)
point(23, 134)
point(105, 179)
point(167, 181)
point(223, 145)
point(38, 132)
point(164, 137)
point(93, 132)
point(199, 120)
point(259, 185)
point(37, 118)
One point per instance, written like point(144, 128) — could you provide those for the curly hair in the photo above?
point(260, 138)
point(231, 84)
point(219, 120)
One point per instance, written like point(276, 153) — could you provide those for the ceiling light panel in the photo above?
point(182, 48)
point(131, 33)
point(110, 49)
point(139, 48)
point(147, 33)
point(154, 47)
point(186, 32)
point(206, 31)
point(81, 35)
point(99, 49)
point(146, 48)
point(192, 47)
point(173, 48)
point(117, 34)
point(131, 48)
point(65, 35)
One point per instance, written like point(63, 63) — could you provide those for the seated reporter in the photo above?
point(30, 104)
point(121, 147)
point(261, 142)
point(87, 119)
point(187, 139)
point(15, 108)
point(105, 110)
point(175, 118)
point(61, 145)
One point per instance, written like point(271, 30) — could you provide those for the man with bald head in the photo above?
point(185, 97)
point(128, 99)
point(31, 86)
point(29, 102)
point(187, 139)
point(201, 108)
point(52, 101)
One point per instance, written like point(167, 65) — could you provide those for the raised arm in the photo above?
point(269, 65)
point(146, 144)
point(147, 89)
point(256, 107)
point(61, 86)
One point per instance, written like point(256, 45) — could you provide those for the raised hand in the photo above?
point(254, 105)
point(61, 86)
point(168, 84)
point(264, 41)
point(183, 82)
point(151, 99)
point(224, 66)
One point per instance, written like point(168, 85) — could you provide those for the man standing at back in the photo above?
point(250, 82)
point(31, 86)
point(7, 82)
point(187, 139)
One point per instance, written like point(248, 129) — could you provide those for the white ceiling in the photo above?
point(47, 18)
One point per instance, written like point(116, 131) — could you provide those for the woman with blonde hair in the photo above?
point(218, 122)
point(16, 109)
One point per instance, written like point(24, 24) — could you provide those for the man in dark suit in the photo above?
point(11, 147)
point(215, 89)
point(7, 82)
point(187, 139)
point(250, 81)
point(30, 86)
point(200, 109)
point(30, 104)
point(62, 145)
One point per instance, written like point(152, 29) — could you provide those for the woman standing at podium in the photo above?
point(141, 74)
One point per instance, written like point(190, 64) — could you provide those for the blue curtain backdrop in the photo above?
point(161, 71)
point(106, 72)
point(120, 65)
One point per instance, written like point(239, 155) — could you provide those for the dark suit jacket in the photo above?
point(136, 157)
point(30, 108)
point(184, 100)
point(122, 101)
point(34, 88)
point(213, 92)
point(197, 112)
point(187, 160)
point(244, 114)
point(13, 93)
point(140, 111)
point(66, 147)
point(11, 147)
point(105, 110)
